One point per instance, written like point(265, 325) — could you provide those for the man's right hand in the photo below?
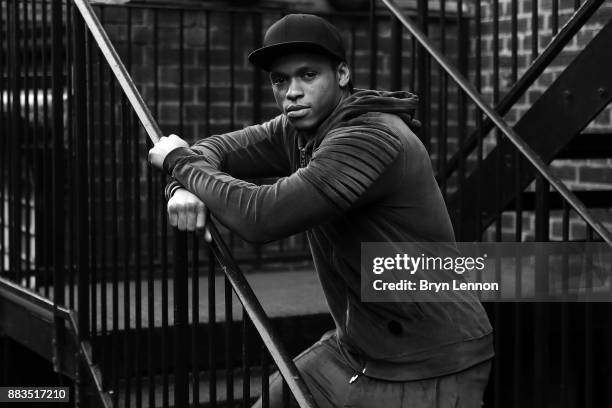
point(186, 211)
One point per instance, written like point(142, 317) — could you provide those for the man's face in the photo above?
point(307, 88)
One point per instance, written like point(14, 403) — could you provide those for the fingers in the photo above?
point(186, 211)
point(200, 217)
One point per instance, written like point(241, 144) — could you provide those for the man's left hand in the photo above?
point(166, 144)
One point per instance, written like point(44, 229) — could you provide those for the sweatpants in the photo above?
point(332, 383)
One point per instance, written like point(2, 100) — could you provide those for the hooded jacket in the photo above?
point(364, 176)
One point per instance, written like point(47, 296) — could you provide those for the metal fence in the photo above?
point(83, 219)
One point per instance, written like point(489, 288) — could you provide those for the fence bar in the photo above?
point(122, 75)
point(542, 220)
point(265, 386)
point(534, 29)
point(532, 73)
point(229, 321)
point(246, 373)
point(57, 152)
point(91, 180)
point(212, 323)
point(46, 253)
point(104, 266)
point(565, 347)
point(28, 149)
point(126, 215)
point(71, 173)
point(396, 54)
point(500, 123)
point(14, 145)
point(4, 138)
point(181, 322)
point(195, 317)
point(82, 213)
point(260, 321)
point(373, 44)
point(478, 113)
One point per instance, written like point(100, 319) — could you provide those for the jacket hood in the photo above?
point(362, 101)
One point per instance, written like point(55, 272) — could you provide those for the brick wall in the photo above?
point(578, 174)
point(231, 37)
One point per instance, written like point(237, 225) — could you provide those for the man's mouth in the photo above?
point(297, 111)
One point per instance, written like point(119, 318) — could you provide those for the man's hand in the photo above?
point(166, 144)
point(186, 211)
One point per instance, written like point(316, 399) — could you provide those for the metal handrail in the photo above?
point(239, 283)
point(532, 73)
point(499, 122)
point(68, 315)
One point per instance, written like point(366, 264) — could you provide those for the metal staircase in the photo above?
point(119, 307)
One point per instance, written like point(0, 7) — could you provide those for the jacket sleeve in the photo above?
point(344, 167)
point(257, 151)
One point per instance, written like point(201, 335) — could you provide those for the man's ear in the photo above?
point(343, 74)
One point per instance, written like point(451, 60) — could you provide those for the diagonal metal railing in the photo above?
point(499, 122)
point(535, 69)
point(239, 283)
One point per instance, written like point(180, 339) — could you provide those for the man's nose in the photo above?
point(295, 90)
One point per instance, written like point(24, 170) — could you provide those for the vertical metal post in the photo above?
point(57, 84)
point(81, 192)
point(71, 173)
point(541, 361)
point(246, 372)
point(396, 54)
point(534, 29)
point(91, 191)
point(195, 319)
point(3, 143)
point(257, 82)
point(47, 162)
point(442, 108)
point(80, 130)
point(422, 84)
point(14, 144)
point(28, 147)
point(373, 45)
point(151, 215)
point(181, 323)
point(212, 324)
point(229, 361)
point(126, 236)
point(265, 386)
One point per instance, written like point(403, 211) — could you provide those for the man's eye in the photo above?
point(310, 74)
point(277, 80)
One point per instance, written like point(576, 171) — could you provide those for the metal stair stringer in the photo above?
point(582, 90)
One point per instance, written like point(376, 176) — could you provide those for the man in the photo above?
point(351, 171)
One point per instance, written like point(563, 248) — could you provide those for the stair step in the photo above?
point(204, 387)
point(588, 146)
point(590, 198)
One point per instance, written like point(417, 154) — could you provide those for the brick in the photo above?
point(142, 34)
point(195, 112)
point(172, 93)
point(168, 112)
point(566, 172)
point(595, 175)
point(195, 37)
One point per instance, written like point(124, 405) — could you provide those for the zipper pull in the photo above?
point(356, 376)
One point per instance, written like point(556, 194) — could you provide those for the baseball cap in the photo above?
point(298, 33)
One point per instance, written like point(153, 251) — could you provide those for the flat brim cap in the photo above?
point(298, 33)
